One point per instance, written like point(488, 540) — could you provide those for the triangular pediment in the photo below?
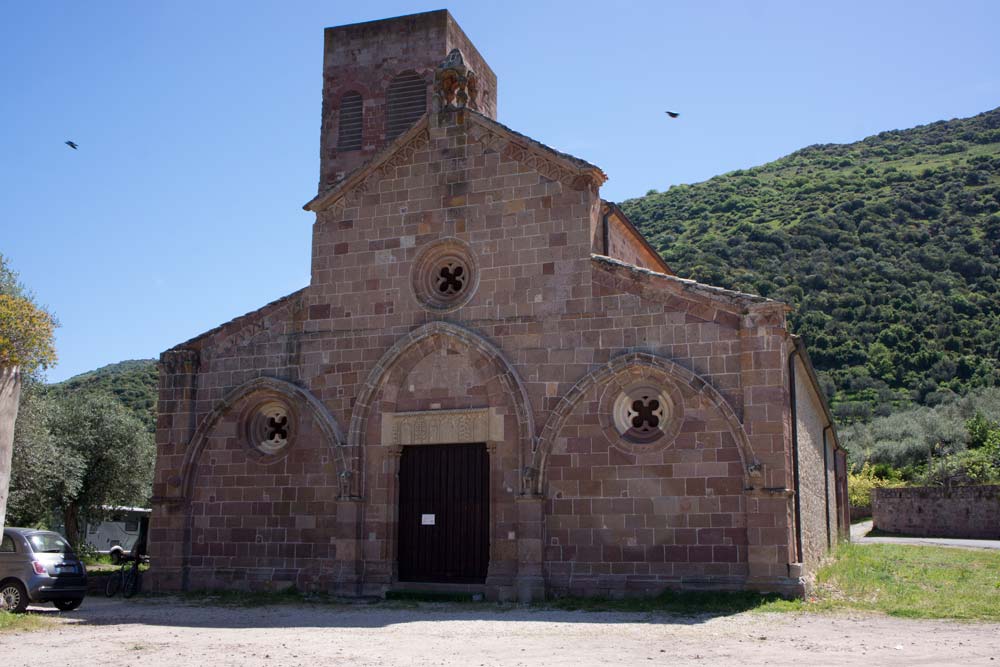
point(491, 135)
point(361, 180)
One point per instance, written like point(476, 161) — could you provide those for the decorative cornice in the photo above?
point(182, 361)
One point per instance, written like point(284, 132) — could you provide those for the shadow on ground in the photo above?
point(278, 610)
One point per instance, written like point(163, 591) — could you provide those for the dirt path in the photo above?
point(169, 632)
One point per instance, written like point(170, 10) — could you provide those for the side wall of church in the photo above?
point(817, 472)
point(623, 245)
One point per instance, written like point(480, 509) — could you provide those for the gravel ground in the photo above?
point(167, 631)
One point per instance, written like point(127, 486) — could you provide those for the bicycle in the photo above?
point(128, 579)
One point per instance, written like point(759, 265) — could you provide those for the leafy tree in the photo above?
point(108, 458)
point(40, 472)
point(26, 330)
point(980, 430)
point(26, 346)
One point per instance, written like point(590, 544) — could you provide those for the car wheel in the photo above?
point(13, 596)
point(68, 605)
point(116, 557)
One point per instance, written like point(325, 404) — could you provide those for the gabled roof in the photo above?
point(803, 354)
point(730, 300)
point(612, 208)
point(550, 162)
point(238, 323)
point(356, 177)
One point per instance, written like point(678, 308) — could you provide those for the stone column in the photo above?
point(530, 582)
point(347, 563)
point(10, 396)
point(767, 420)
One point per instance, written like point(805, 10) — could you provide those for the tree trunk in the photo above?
point(71, 519)
point(10, 395)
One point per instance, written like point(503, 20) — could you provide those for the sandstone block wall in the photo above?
point(365, 57)
point(964, 511)
point(817, 472)
point(545, 337)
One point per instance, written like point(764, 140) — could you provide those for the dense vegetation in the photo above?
point(888, 249)
point(956, 442)
point(133, 383)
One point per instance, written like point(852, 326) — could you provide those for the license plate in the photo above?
point(65, 568)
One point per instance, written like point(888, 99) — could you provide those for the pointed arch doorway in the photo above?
point(444, 513)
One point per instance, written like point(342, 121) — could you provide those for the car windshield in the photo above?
point(49, 543)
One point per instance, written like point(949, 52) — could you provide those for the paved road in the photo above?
point(860, 530)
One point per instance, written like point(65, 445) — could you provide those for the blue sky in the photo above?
point(198, 126)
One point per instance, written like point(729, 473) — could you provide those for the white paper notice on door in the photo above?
point(426, 519)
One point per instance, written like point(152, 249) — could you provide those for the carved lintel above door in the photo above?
point(433, 427)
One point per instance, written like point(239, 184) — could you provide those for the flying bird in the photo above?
point(72, 145)
point(673, 114)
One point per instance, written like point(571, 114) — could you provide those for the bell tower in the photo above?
point(377, 81)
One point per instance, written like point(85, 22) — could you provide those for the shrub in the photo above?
point(861, 483)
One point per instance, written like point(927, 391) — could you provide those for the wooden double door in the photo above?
point(444, 517)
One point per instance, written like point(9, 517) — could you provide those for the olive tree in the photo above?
point(42, 477)
point(108, 457)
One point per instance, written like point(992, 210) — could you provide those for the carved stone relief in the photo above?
point(434, 427)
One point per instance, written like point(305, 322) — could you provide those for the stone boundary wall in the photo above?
point(961, 511)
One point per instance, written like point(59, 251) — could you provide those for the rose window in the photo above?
point(269, 425)
point(444, 275)
point(641, 413)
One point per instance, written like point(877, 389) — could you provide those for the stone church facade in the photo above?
point(491, 382)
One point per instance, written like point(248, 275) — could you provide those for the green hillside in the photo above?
point(888, 249)
point(133, 382)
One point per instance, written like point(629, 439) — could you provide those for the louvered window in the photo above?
point(407, 103)
point(351, 114)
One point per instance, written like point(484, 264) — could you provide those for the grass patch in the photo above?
point(94, 558)
point(687, 603)
point(898, 580)
point(913, 582)
point(10, 622)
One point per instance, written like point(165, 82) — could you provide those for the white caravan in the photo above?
point(118, 532)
